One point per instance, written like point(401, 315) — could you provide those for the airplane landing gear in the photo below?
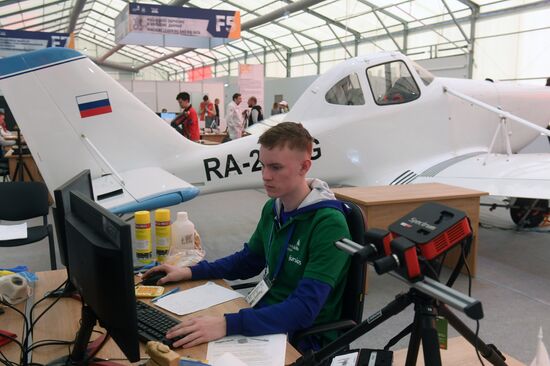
point(528, 212)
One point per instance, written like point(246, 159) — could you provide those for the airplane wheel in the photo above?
point(520, 206)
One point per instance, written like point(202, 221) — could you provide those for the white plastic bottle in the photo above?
point(183, 233)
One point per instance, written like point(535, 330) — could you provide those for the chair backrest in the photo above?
point(23, 200)
point(354, 293)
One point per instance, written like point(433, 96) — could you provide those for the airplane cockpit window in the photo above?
point(346, 92)
point(392, 83)
point(424, 74)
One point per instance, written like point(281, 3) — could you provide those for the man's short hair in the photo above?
point(290, 134)
point(253, 99)
point(236, 95)
point(183, 96)
point(205, 98)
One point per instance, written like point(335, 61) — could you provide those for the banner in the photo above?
point(251, 84)
point(199, 73)
point(13, 42)
point(175, 26)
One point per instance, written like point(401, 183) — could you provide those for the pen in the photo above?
point(172, 291)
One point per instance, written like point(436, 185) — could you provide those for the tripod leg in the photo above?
point(424, 328)
point(414, 342)
point(489, 352)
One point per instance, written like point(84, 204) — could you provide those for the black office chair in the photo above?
point(354, 293)
point(24, 201)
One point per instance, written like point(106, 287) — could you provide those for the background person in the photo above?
point(275, 109)
point(255, 115)
point(233, 117)
point(187, 123)
point(217, 109)
point(206, 111)
point(293, 244)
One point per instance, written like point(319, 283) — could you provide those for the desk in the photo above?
point(213, 137)
point(61, 322)
point(458, 352)
point(29, 162)
point(383, 205)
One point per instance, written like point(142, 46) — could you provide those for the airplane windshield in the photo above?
point(426, 76)
point(346, 92)
point(392, 83)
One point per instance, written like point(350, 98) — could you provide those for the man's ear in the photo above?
point(306, 165)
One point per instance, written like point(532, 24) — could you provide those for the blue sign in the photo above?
point(16, 41)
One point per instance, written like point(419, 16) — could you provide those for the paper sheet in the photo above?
point(197, 298)
point(268, 350)
point(11, 232)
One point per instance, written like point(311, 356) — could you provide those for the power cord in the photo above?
point(22, 345)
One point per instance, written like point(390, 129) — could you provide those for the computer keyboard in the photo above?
point(153, 324)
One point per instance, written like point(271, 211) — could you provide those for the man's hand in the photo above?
point(173, 273)
point(198, 330)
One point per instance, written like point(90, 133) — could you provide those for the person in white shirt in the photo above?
point(234, 118)
point(4, 132)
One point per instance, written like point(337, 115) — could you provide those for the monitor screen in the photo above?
point(99, 247)
point(82, 183)
point(168, 116)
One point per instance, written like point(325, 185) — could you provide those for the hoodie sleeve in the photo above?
point(298, 311)
point(240, 265)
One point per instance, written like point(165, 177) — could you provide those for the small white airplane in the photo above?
point(378, 120)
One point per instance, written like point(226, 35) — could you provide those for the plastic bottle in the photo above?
point(162, 233)
point(144, 248)
point(183, 233)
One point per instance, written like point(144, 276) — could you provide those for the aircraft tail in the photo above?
point(74, 116)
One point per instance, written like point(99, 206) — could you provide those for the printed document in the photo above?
point(11, 232)
point(197, 298)
point(267, 350)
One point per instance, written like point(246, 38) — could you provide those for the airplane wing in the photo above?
point(517, 175)
point(141, 189)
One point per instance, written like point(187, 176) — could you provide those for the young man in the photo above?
point(234, 117)
point(293, 242)
point(255, 114)
point(206, 111)
point(187, 120)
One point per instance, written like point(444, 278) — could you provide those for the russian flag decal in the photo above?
point(93, 104)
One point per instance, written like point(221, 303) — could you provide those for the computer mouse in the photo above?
point(152, 279)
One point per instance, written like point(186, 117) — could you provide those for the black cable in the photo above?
point(468, 271)
point(23, 356)
point(475, 346)
point(4, 360)
point(12, 339)
point(51, 342)
point(90, 357)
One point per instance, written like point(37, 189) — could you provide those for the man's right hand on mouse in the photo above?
point(173, 273)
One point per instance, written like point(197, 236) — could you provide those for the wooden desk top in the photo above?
point(61, 322)
point(458, 352)
point(11, 155)
point(381, 195)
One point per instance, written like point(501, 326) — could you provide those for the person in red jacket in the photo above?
point(187, 123)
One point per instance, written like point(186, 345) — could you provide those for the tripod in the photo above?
point(429, 298)
point(21, 165)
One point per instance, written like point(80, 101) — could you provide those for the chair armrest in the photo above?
point(341, 325)
point(243, 285)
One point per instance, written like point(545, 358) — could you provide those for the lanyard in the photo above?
point(284, 249)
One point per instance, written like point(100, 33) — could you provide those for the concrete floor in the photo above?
point(513, 281)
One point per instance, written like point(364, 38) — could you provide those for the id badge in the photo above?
point(258, 292)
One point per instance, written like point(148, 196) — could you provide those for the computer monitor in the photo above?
point(168, 116)
point(99, 247)
point(82, 182)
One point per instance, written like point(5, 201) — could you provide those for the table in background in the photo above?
point(213, 137)
point(383, 205)
point(29, 162)
point(62, 321)
point(459, 352)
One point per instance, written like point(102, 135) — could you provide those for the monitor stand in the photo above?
point(83, 351)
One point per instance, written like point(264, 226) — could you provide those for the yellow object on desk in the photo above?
point(149, 291)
